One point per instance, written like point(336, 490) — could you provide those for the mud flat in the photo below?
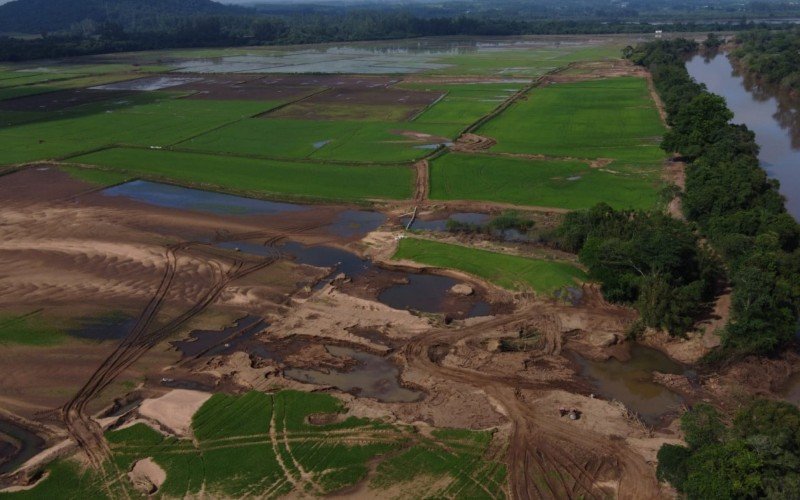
point(371, 376)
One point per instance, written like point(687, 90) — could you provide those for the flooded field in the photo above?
point(171, 196)
point(631, 382)
point(372, 377)
point(147, 84)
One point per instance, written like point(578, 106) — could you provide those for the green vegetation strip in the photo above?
point(508, 271)
point(96, 176)
point(262, 445)
point(261, 177)
point(571, 185)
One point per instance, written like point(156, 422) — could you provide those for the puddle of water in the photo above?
point(352, 223)
point(574, 178)
point(213, 342)
point(441, 224)
point(147, 84)
point(321, 144)
point(373, 377)
point(480, 309)
point(169, 196)
point(340, 260)
point(17, 445)
point(109, 327)
point(632, 382)
point(426, 293)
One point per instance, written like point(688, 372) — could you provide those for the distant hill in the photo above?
point(36, 16)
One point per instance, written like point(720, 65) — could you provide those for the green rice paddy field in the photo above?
point(612, 118)
point(360, 148)
point(258, 176)
point(568, 184)
point(507, 271)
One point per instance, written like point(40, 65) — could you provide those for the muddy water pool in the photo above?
point(632, 384)
point(373, 377)
point(427, 293)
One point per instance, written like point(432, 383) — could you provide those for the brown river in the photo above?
point(771, 114)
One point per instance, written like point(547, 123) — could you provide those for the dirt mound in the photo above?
point(147, 476)
point(472, 142)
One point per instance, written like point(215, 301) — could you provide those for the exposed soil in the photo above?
point(279, 87)
point(470, 143)
point(174, 410)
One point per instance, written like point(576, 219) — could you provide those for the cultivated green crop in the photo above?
point(545, 183)
point(508, 271)
point(613, 118)
point(259, 177)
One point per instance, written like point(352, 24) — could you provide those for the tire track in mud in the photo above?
point(144, 335)
point(542, 451)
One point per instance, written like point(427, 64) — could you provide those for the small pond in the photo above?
point(631, 382)
point(373, 377)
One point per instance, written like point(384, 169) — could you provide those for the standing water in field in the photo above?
point(170, 196)
point(373, 377)
point(770, 113)
point(428, 293)
point(632, 383)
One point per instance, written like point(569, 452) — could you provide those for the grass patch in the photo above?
point(508, 271)
point(548, 183)
point(613, 118)
point(30, 330)
point(260, 177)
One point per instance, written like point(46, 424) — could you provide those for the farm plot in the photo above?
point(508, 271)
point(464, 104)
point(159, 123)
point(262, 445)
point(386, 104)
point(260, 177)
point(355, 141)
point(613, 118)
point(566, 184)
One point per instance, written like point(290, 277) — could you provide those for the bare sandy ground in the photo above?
point(174, 410)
